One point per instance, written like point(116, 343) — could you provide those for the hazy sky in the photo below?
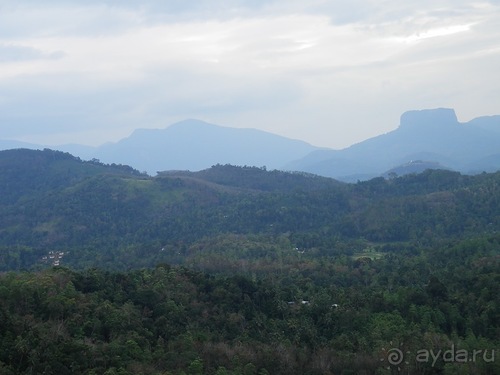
point(331, 73)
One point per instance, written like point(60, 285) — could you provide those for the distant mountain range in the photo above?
point(433, 137)
point(190, 145)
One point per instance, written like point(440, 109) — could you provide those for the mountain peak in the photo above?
point(195, 145)
point(429, 117)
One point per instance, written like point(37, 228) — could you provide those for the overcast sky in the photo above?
point(332, 73)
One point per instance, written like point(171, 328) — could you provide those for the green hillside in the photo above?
point(30, 172)
point(241, 270)
point(114, 217)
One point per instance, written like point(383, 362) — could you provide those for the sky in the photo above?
point(331, 73)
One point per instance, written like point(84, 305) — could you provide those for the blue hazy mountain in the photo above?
point(433, 135)
point(195, 145)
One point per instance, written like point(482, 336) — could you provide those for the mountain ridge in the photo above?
point(196, 145)
point(434, 135)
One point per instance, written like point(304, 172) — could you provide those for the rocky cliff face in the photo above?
point(442, 117)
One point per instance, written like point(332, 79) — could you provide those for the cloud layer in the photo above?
point(331, 73)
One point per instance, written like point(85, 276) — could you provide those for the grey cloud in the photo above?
point(93, 17)
point(53, 18)
point(375, 12)
point(10, 53)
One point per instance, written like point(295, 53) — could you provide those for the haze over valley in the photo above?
point(434, 138)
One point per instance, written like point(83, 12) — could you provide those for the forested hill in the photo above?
point(239, 270)
point(259, 179)
point(112, 216)
point(31, 172)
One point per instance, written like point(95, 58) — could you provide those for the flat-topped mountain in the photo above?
point(432, 135)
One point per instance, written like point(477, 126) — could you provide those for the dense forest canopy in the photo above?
point(241, 270)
